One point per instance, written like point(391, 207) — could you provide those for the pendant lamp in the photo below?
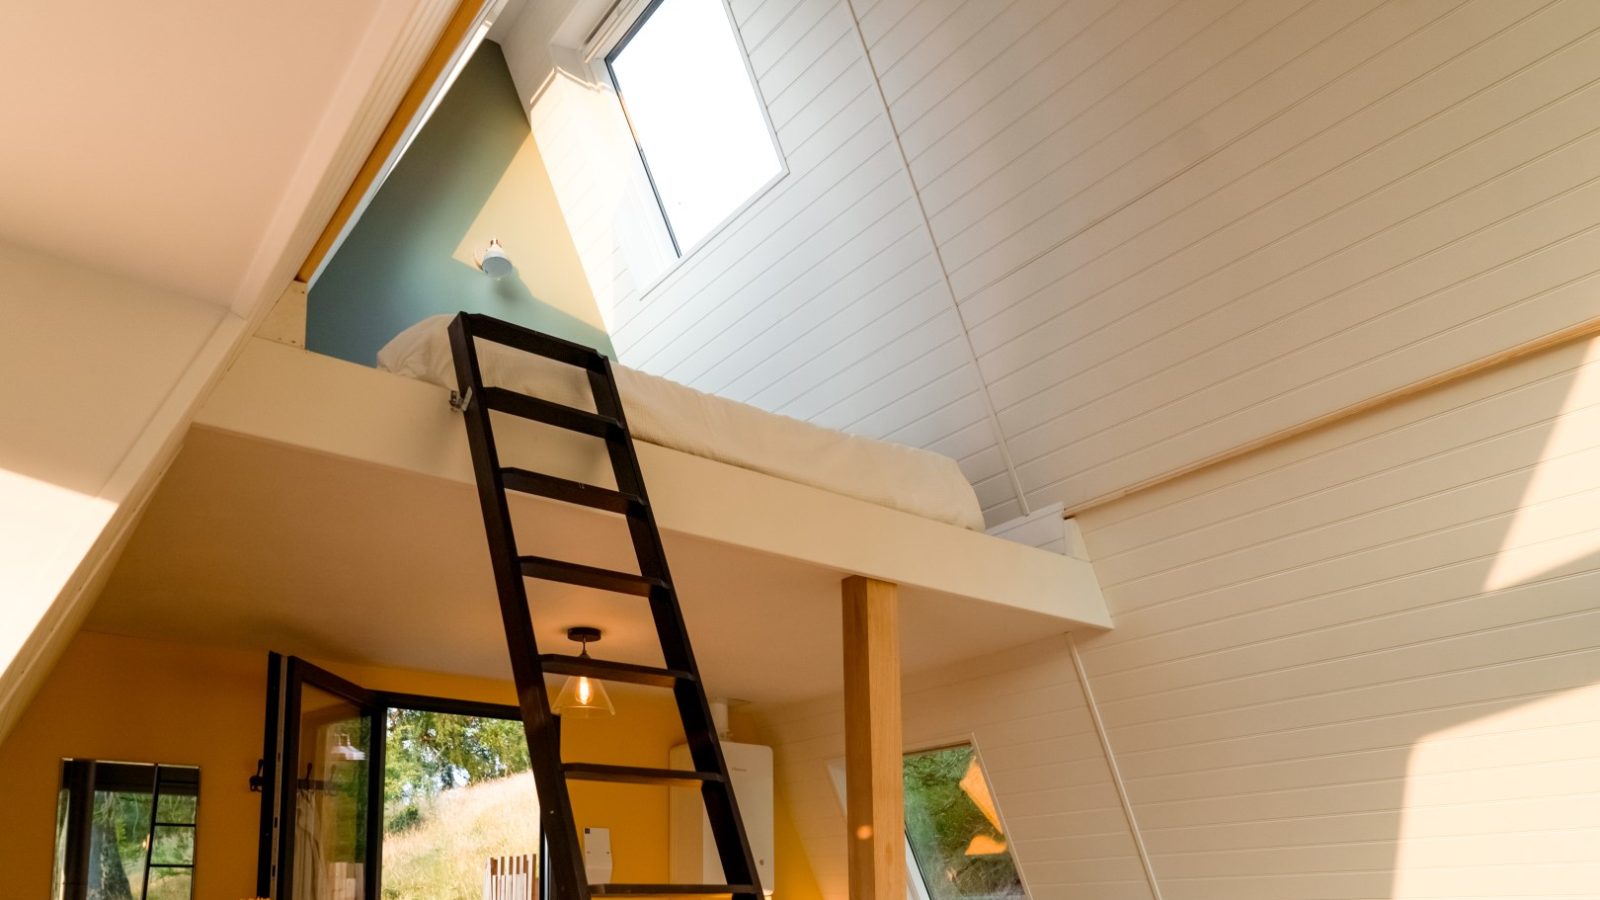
point(583, 697)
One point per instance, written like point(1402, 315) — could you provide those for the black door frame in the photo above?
point(286, 677)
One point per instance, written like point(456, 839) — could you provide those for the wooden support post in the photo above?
point(874, 792)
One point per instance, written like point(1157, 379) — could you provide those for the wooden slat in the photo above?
point(607, 670)
point(639, 775)
point(667, 890)
point(588, 576)
point(875, 800)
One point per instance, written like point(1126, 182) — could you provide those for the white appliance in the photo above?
point(693, 851)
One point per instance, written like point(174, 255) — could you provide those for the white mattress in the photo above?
point(672, 415)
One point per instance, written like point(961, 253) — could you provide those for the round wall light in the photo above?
point(493, 260)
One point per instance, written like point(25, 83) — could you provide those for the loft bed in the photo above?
point(294, 397)
point(677, 417)
point(327, 509)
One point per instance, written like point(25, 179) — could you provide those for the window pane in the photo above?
point(694, 110)
point(954, 828)
point(331, 798)
point(458, 804)
point(119, 826)
point(177, 808)
point(170, 884)
point(174, 846)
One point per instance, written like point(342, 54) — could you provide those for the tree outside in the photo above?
point(457, 791)
point(954, 828)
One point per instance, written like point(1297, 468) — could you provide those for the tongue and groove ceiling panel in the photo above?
point(1078, 244)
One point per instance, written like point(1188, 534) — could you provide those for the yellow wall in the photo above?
point(793, 875)
point(147, 701)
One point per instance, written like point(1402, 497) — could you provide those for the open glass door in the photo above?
point(361, 787)
point(323, 789)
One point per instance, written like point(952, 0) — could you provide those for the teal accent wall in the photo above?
point(472, 173)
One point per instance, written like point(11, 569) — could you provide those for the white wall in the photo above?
point(1172, 226)
point(1025, 711)
point(1366, 663)
point(1357, 664)
point(96, 372)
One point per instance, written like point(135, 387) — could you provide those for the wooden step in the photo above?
point(605, 670)
point(668, 890)
point(500, 332)
point(568, 491)
point(561, 416)
point(638, 775)
point(588, 576)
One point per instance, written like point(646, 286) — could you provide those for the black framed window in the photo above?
point(697, 118)
point(125, 831)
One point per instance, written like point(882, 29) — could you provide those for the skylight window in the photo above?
point(691, 101)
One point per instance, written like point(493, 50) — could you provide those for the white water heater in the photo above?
point(693, 851)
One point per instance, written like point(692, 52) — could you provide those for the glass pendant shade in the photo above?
point(582, 697)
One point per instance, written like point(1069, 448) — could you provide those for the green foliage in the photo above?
point(941, 822)
point(118, 824)
point(428, 753)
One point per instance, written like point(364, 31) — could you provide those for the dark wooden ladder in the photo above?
point(562, 862)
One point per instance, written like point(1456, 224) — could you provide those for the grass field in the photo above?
point(443, 856)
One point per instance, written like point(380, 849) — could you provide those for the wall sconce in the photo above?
point(493, 260)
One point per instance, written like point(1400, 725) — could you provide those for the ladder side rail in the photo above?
point(564, 867)
point(722, 811)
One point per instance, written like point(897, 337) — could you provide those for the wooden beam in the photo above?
point(455, 33)
point(874, 792)
point(1588, 328)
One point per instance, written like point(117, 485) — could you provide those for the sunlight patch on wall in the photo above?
point(42, 536)
point(1555, 524)
point(1505, 805)
point(520, 213)
point(587, 151)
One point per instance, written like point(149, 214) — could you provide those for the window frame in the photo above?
point(286, 676)
point(603, 66)
point(916, 887)
point(82, 781)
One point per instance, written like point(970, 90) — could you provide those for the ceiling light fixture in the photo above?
point(583, 697)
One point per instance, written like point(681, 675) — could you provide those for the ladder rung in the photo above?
point(569, 491)
point(667, 890)
point(588, 576)
point(638, 775)
point(559, 415)
point(606, 670)
point(500, 332)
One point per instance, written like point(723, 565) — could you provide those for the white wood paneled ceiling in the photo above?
point(1077, 244)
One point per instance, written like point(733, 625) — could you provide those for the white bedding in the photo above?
point(672, 415)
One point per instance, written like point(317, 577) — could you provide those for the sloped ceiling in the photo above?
point(157, 140)
point(1082, 245)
